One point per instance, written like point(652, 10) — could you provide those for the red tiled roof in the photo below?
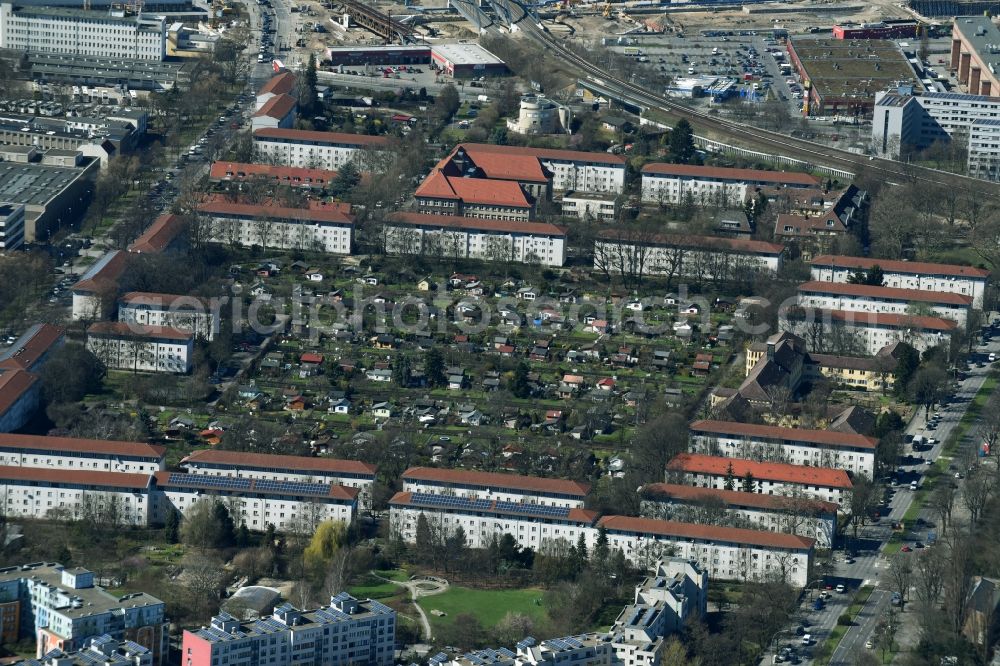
point(300, 463)
point(575, 515)
point(310, 357)
point(888, 293)
point(696, 463)
point(737, 498)
point(277, 107)
point(331, 214)
point(808, 226)
point(494, 480)
point(472, 190)
point(77, 445)
point(691, 241)
point(106, 277)
point(76, 477)
point(34, 348)
point(13, 385)
point(336, 491)
point(712, 533)
point(822, 437)
point(160, 234)
point(888, 320)
point(725, 173)
point(121, 328)
point(895, 266)
point(162, 300)
point(309, 136)
point(554, 154)
point(286, 174)
point(511, 226)
point(279, 84)
point(499, 166)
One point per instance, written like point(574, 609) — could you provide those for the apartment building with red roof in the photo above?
point(196, 315)
point(319, 227)
point(921, 275)
point(798, 446)
point(440, 194)
point(622, 250)
point(165, 233)
point(296, 177)
point(277, 112)
point(76, 454)
point(515, 488)
point(317, 150)
point(124, 346)
point(476, 238)
point(802, 516)
point(771, 478)
point(712, 186)
point(283, 83)
point(891, 300)
point(20, 388)
point(871, 330)
point(728, 553)
point(95, 292)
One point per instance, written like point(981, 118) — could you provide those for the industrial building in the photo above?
point(132, 73)
point(466, 61)
point(889, 29)
point(95, 33)
point(975, 57)
point(394, 54)
point(844, 76)
point(52, 196)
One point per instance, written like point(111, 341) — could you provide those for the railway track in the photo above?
point(753, 138)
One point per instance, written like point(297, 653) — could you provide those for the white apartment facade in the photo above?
point(349, 473)
point(277, 228)
point(472, 238)
point(870, 331)
point(796, 446)
point(584, 172)
point(726, 553)
point(122, 346)
point(492, 486)
point(348, 631)
point(111, 498)
point(71, 31)
point(11, 226)
point(483, 520)
point(770, 478)
point(889, 300)
point(791, 515)
point(921, 275)
point(683, 255)
point(704, 185)
point(287, 505)
point(68, 453)
point(984, 150)
point(586, 206)
point(318, 150)
point(195, 315)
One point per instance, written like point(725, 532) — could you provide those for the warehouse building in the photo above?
point(52, 196)
point(464, 61)
point(393, 54)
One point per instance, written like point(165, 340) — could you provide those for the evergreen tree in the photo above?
point(434, 367)
point(682, 142)
point(601, 550)
point(171, 527)
point(519, 385)
point(269, 536)
point(347, 178)
point(401, 372)
point(425, 540)
point(242, 536)
point(307, 89)
point(730, 482)
point(581, 547)
point(749, 484)
point(227, 529)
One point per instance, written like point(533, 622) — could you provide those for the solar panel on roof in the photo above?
point(292, 487)
point(201, 481)
point(573, 642)
point(378, 607)
point(526, 642)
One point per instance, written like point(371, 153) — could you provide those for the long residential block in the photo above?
point(681, 255)
point(319, 228)
point(20, 385)
point(733, 508)
point(96, 290)
point(889, 300)
point(710, 186)
point(796, 446)
point(472, 238)
point(216, 462)
point(770, 478)
point(727, 553)
point(184, 313)
point(921, 275)
point(348, 631)
point(123, 346)
point(866, 332)
point(511, 488)
point(315, 150)
point(70, 453)
point(61, 608)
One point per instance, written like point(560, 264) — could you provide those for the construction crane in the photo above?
point(607, 10)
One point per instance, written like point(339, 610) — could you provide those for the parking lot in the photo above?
point(753, 62)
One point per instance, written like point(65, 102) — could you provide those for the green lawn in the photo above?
point(370, 587)
point(489, 606)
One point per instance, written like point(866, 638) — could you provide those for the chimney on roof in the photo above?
point(770, 350)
